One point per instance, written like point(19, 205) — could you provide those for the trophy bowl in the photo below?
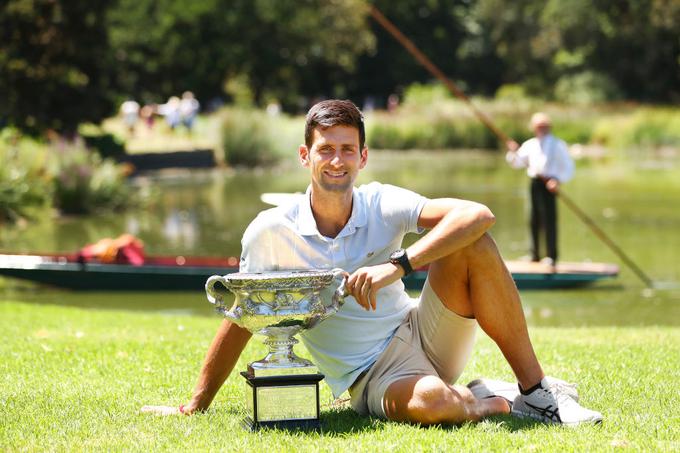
point(278, 305)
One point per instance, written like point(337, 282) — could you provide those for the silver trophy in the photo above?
point(279, 305)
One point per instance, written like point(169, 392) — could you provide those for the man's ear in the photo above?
point(303, 155)
point(364, 157)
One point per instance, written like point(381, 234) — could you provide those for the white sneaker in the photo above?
point(550, 403)
point(567, 388)
point(487, 388)
point(550, 264)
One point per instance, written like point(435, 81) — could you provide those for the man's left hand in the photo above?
point(365, 282)
point(553, 185)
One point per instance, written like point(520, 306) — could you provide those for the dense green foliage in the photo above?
point(281, 48)
point(252, 137)
point(610, 48)
point(66, 176)
point(74, 379)
point(83, 182)
point(429, 118)
point(55, 69)
point(23, 182)
point(62, 63)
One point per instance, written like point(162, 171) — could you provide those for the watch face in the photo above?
point(397, 254)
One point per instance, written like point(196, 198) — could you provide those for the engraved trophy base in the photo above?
point(283, 402)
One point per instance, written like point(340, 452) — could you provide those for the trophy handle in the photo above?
point(216, 296)
point(341, 292)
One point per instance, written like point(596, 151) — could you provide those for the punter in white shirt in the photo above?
point(548, 164)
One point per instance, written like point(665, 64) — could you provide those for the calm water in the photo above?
point(204, 213)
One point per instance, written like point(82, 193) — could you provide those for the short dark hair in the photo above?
point(334, 112)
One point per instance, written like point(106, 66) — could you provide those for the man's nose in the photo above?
point(337, 159)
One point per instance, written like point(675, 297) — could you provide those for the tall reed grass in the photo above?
point(253, 137)
point(647, 127)
point(429, 118)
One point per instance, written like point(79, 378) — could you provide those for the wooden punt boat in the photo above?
point(179, 273)
point(159, 273)
point(530, 275)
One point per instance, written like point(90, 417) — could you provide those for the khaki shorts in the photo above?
point(432, 340)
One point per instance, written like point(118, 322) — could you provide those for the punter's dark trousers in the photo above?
point(543, 218)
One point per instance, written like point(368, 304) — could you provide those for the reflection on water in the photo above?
point(181, 229)
point(205, 213)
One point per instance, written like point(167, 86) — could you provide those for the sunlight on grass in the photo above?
point(75, 379)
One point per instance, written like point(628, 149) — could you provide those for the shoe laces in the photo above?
point(561, 392)
point(564, 386)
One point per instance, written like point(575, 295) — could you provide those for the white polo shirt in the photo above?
point(548, 156)
point(286, 238)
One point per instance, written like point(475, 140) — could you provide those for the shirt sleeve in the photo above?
point(520, 158)
point(565, 164)
point(257, 246)
point(401, 207)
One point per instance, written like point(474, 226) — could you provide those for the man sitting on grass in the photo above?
point(397, 356)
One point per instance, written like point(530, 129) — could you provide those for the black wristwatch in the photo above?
point(400, 258)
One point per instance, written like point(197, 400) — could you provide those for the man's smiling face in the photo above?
point(334, 158)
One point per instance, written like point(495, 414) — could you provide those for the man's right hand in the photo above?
point(512, 145)
point(365, 282)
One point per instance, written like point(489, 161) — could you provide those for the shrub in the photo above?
point(439, 129)
point(253, 137)
point(587, 87)
point(83, 182)
point(425, 95)
point(645, 127)
point(511, 92)
point(24, 186)
point(107, 145)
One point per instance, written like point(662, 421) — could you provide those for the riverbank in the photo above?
point(35, 173)
point(74, 379)
point(434, 122)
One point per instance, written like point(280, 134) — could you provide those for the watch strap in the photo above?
point(400, 257)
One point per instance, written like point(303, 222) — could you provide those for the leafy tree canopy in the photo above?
point(63, 62)
point(53, 63)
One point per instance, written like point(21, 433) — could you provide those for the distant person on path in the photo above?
point(392, 103)
point(548, 164)
point(170, 110)
point(397, 356)
point(146, 113)
point(188, 110)
point(130, 111)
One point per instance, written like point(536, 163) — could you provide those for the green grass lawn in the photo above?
point(74, 379)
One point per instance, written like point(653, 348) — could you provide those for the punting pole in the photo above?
point(435, 71)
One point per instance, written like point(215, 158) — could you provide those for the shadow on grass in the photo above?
point(345, 420)
point(496, 423)
point(339, 422)
point(508, 423)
